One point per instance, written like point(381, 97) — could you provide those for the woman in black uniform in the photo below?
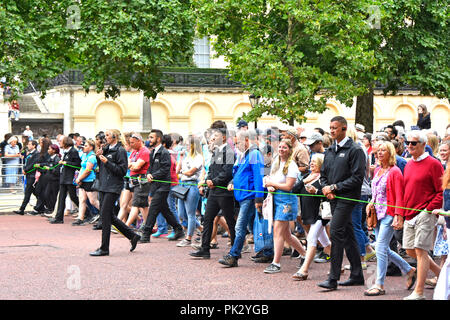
point(113, 164)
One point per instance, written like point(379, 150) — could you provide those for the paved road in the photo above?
point(51, 262)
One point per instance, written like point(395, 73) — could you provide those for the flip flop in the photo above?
point(374, 291)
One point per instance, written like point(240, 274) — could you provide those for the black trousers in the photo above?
point(29, 190)
point(343, 238)
point(65, 189)
point(213, 206)
point(40, 193)
point(50, 194)
point(107, 204)
point(158, 205)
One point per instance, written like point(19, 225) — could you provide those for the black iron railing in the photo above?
point(196, 78)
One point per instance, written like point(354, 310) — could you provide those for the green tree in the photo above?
point(115, 43)
point(411, 44)
point(294, 54)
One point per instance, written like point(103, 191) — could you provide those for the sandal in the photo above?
point(411, 280)
point(299, 276)
point(431, 282)
point(374, 291)
point(214, 245)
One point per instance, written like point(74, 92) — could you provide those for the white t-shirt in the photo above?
point(189, 163)
point(279, 177)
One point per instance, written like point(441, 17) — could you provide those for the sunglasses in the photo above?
point(413, 143)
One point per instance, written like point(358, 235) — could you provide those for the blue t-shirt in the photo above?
point(85, 159)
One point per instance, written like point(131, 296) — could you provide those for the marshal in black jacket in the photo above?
point(346, 168)
point(30, 160)
point(72, 158)
point(221, 171)
point(112, 172)
point(159, 168)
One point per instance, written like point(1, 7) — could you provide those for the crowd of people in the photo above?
point(288, 191)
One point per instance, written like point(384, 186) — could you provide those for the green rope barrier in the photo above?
point(244, 190)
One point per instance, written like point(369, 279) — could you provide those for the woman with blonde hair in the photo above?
point(311, 217)
point(387, 201)
point(433, 142)
point(283, 176)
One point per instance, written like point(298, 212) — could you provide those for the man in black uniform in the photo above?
point(342, 175)
point(220, 174)
point(30, 160)
point(159, 169)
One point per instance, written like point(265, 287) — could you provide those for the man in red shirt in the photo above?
point(138, 164)
point(423, 191)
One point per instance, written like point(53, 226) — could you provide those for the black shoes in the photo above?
point(97, 226)
point(55, 221)
point(263, 259)
point(99, 252)
point(328, 284)
point(21, 212)
point(200, 254)
point(145, 238)
point(259, 254)
point(79, 222)
point(352, 282)
point(33, 213)
point(229, 261)
point(134, 242)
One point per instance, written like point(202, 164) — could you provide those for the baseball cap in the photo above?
point(293, 133)
point(313, 137)
point(242, 123)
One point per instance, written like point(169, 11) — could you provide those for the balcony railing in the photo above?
point(196, 78)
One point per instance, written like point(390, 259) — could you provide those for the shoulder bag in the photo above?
point(179, 191)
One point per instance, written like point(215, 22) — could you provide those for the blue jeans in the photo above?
point(160, 221)
point(187, 209)
point(360, 236)
point(383, 233)
point(246, 212)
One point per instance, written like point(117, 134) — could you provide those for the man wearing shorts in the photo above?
point(423, 191)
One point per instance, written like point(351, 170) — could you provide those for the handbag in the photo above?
point(371, 218)
point(325, 210)
point(267, 211)
point(180, 191)
point(262, 234)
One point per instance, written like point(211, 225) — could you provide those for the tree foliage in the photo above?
point(289, 51)
point(116, 43)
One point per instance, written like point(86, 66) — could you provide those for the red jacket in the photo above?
point(394, 191)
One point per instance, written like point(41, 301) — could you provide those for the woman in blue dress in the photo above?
point(12, 161)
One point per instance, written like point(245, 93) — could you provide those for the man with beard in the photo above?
point(159, 170)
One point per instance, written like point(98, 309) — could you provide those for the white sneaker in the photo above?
point(184, 243)
point(415, 296)
point(272, 269)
